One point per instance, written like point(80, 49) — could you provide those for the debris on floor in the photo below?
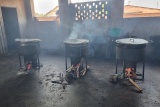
point(93, 89)
point(61, 81)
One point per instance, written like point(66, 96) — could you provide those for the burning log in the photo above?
point(131, 74)
point(75, 71)
point(135, 84)
point(69, 69)
point(85, 70)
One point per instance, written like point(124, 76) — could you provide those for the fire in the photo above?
point(76, 70)
point(130, 72)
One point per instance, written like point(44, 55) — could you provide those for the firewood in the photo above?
point(88, 66)
point(135, 84)
point(77, 71)
point(84, 71)
point(70, 69)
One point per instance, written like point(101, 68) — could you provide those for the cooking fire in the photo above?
point(130, 51)
point(77, 51)
point(28, 50)
point(95, 53)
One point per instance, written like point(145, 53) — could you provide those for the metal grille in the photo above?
point(91, 10)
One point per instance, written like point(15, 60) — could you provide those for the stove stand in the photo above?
point(75, 56)
point(133, 66)
point(76, 50)
point(28, 51)
point(131, 51)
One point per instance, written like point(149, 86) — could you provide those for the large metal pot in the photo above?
point(75, 48)
point(28, 46)
point(131, 49)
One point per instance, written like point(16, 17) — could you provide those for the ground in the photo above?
point(92, 90)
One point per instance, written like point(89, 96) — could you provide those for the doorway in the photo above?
point(11, 26)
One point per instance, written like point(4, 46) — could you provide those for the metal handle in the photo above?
point(131, 39)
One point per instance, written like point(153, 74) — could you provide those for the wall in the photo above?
point(140, 27)
point(19, 5)
point(50, 34)
point(116, 12)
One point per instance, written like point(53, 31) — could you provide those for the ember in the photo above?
point(130, 72)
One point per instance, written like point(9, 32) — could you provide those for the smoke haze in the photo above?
point(88, 28)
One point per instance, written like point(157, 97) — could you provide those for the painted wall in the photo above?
point(140, 27)
point(49, 32)
point(19, 5)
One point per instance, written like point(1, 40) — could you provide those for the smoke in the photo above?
point(93, 30)
point(75, 31)
point(88, 29)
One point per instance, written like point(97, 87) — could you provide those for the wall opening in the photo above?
point(90, 10)
point(45, 10)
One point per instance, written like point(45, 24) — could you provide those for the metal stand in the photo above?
point(135, 70)
point(66, 62)
point(20, 60)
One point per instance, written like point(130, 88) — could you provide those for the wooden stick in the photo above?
point(84, 72)
point(77, 71)
point(135, 84)
point(69, 69)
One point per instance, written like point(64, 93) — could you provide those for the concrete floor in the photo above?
point(93, 90)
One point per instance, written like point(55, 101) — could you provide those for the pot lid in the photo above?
point(132, 41)
point(27, 40)
point(76, 41)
